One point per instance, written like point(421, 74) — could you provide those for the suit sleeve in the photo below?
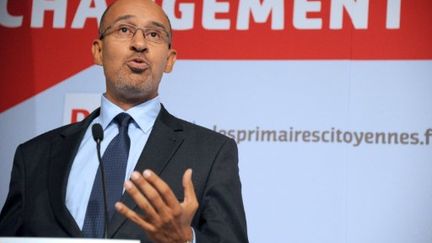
point(222, 217)
point(11, 217)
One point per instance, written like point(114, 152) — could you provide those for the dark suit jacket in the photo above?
point(35, 204)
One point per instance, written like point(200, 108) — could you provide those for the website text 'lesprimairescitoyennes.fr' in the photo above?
point(332, 135)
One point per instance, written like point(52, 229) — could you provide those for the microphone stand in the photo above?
point(97, 132)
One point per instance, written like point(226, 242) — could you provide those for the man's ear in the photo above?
point(97, 51)
point(172, 57)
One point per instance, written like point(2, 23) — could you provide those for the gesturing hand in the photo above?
point(165, 219)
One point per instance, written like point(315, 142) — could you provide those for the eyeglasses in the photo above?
point(128, 31)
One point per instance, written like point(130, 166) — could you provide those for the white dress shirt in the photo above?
point(85, 164)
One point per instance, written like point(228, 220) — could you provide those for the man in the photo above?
point(55, 191)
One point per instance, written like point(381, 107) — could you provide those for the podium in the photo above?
point(61, 240)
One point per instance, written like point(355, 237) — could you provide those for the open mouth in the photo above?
point(137, 65)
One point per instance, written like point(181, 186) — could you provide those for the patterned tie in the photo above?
point(114, 161)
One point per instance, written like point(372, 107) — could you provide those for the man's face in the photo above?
point(133, 66)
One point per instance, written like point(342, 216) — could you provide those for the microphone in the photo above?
point(97, 133)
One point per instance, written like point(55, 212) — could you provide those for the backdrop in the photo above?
point(329, 102)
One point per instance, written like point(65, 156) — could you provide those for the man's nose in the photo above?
point(138, 41)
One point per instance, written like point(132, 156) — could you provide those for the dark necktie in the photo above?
point(114, 161)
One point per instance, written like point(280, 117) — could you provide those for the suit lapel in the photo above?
point(163, 142)
point(62, 154)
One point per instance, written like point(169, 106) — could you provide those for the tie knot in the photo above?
point(123, 120)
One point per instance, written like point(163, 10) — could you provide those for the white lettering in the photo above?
point(85, 11)
point(41, 6)
point(261, 12)
point(301, 8)
point(182, 14)
point(211, 7)
point(6, 19)
point(185, 22)
point(393, 14)
point(358, 10)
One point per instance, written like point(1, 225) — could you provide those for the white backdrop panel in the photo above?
point(295, 191)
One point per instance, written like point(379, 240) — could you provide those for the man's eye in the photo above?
point(124, 30)
point(153, 34)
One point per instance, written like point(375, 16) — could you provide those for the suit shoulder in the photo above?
point(203, 133)
point(48, 136)
point(65, 130)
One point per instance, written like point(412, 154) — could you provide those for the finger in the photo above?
point(134, 217)
point(150, 192)
point(189, 190)
point(140, 200)
point(162, 188)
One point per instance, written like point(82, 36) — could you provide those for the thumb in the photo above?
point(189, 191)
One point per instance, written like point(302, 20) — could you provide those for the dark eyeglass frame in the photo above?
point(134, 29)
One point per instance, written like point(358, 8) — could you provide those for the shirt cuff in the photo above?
point(193, 236)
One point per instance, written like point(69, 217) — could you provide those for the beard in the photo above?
point(132, 87)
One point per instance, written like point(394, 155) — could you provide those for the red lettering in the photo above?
point(78, 115)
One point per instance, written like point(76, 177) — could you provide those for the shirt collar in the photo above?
point(144, 114)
